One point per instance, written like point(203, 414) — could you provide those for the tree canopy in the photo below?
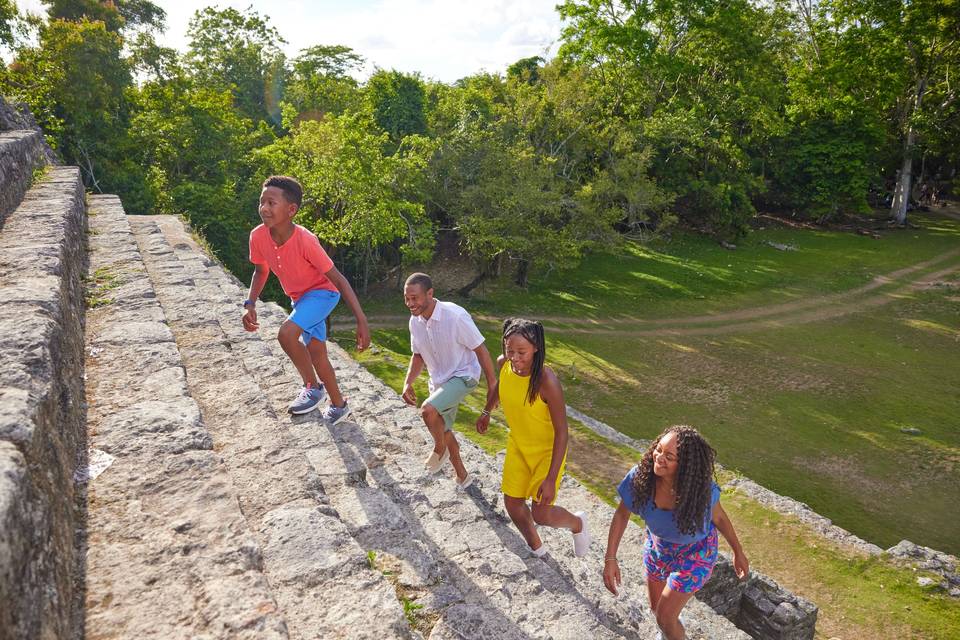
point(653, 113)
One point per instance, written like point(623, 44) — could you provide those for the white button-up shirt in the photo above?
point(446, 342)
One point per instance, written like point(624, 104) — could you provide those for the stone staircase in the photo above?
point(233, 519)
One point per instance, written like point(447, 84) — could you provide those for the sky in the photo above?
point(442, 39)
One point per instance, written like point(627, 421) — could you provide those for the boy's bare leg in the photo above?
point(434, 421)
point(454, 448)
point(289, 339)
point(521, 516)
point(321, 362)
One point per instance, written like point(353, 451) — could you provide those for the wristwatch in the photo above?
point(249, 302)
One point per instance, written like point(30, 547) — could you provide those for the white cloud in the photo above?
point(441, 39)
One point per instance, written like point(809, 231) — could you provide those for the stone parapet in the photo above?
point(42, 415)
point(17, 116)
point(759, 605)
point(21, 154)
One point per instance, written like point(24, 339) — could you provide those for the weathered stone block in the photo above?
point(768, 611)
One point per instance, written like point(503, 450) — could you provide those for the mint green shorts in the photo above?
point(447, 398)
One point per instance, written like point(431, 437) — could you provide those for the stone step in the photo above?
point(42, 265)
point(455, 554)
point(320, 576)
point(169, 553)
point(21, 153)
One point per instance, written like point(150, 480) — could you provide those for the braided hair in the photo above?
point(532, 332)
point(694, 476)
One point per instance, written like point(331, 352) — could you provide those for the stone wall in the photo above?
point(18, 117)
point(42, 416)
point(759, 605)
point(938, 563)
point(20, 155)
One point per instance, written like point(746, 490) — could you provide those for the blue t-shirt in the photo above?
point(660, 522)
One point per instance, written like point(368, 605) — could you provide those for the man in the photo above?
point(444, 338)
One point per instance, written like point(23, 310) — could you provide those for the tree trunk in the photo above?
point(473, 284)
point(901, 194)
point(523, 272)
point(487, 268)
point(367, 259)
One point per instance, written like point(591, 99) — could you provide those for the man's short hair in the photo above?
point(420, 279)
point(292, 190)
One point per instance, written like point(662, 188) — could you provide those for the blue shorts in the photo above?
point(310, 313)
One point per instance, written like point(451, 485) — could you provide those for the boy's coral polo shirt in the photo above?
point(300, 263)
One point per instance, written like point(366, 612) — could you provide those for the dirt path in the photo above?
point(803, 311)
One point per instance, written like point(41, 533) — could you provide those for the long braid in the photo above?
point(532, 332)
point(694, 475)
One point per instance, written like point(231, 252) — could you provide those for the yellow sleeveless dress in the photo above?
point(530, 443)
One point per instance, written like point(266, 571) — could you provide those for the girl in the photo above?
point(533, 404)
point(672, 489)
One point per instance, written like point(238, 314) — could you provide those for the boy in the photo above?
point(314, 285)
point(444, 338)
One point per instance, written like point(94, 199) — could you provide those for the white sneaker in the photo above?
point(539, 552)
point(581, 541)
point(466, 482)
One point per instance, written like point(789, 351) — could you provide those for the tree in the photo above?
point(699, 81)
point(396, 101)
point(622, 192)
point(509, 205)
point(873, 80)
point(117, 15)
point(355, 195)
point(320, 82)
point(151, 61)
point(8, 16)
point(923, 40)
point(193, 145)
point(239, 51)
point(526, 69)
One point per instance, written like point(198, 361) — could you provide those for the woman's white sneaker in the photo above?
point(581, 541)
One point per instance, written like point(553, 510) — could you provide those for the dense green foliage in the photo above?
point(8, 16)
point(653, 112)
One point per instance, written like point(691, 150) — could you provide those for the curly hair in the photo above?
point(694, 476)
point(532, 332)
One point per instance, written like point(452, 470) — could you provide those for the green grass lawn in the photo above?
point(811, 410)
